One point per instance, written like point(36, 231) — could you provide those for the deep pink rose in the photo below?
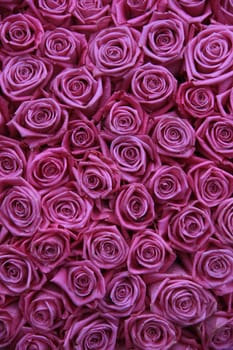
point(39, 122)
point(79, 88)
point(11, 320)
point(65, 207)
point(215, 138)
point(63, 47)
point(105, 246)
point(209, 56)
point(173, 136)
point(225, 103)
point(195, 101)
point(20, 34)
point(134, 207)
point(121, 115)
point(169, 185)
point(125, 294)
point(114, 51)
point(10, 5)
point(191, 11)
point(24, 77)
point(20, 208)
point(98, 330)
point(12, 158)
point(187, 341)
point(49, 169)
point(149, 253)
point(81, 280)
point(223, 219)
point(29, 338)
point(97, 176)
point(210, 184)
point(154, 87)
point(223, 11)
point(4, 114)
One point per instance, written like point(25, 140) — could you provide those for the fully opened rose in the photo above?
point(116, 175)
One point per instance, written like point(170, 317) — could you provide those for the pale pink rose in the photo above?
point(12, 158)
point(11, 322)
point(223, 219)
point(194, 11)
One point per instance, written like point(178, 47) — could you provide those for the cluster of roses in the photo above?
point(116, 148)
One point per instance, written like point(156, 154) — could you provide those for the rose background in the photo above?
point(116, 175)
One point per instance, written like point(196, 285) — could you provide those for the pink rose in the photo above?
point(20, 208)
point(29, 338)
point(187, 342)
point(97, 176)
point(210, 184)
point(20, 34)
point(11, 322)
point(99, 330)
point(81, 280)
point(149, 253)
point(191, 11)
point(10, 5)
point(223, 11)
point(114, 51)
point(215, 138)
point(65, 207)
point(223, 219)
point(150, 331)
point(154, 87)
point(225, 103)
point(4, 114)
point(134, 207)
point(39, 122)
point(24, 77)
point(195, 101)
point(12, 158)
point(49, 169)
point(125, 294)
point(78, 88)
point(173, 136)
point(105, 246)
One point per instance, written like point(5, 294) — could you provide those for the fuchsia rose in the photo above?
point(49, 169)
point(223, 11)
point(134, 207)
point(81, 280)
point(150, 331)
point(11, 322)
point(169, 185)
point(149, 253)
point(121, 115)
point(215, 138)
point(223, 219)
point(114, 51)
point(12, 158)
point(225, 103)
point(125, 294)
point(154, 87)
point(97, 176)
point(24, 77)
point(96, 330)
point(39, 122)
point(78, 88)
point(65, 207)
point(194, 11)
point(173, 136)
point(105, 246)
point(20, 34)
point(28, 338)
point(63, 47)
point(209, 55)
point(210, 184)
point(20, 208)
point(195, 101)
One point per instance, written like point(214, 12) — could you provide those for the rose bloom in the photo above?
point(134, 207)
point(210, 184)
point(105, 246)
point(4, 114)
point(169, 185)
point(215, 138)
point(125, 294)
point(97, 176)
point(35, 339)
point(81, 280)
point(223, 11)
point(10, 5)
point(65, 207)
point(209, 55)
point(223, 219)
point(12, 158)
point(11, 322)
point(225, 103)
point(154, 87)
point(24, 77)
point(98, 329)
point(150, 331)
point(187, 342)
point(195, 101)
point(173, 136)
point(149, 253)
point(190, 11)
point(79, 88)
point(49, 169)
point(20, 34)
point(20, 206)
point(114, 51)
point(39, 122)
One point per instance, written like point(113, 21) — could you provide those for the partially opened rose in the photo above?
point(12, 158)
point(191, 11)
point(225, 102)
point(223, 219)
